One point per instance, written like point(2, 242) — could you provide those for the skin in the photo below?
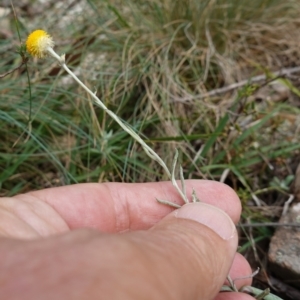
point(114, 241)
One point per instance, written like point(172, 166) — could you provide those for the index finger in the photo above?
point(118, 207)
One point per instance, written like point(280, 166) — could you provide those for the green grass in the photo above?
point(151, 62)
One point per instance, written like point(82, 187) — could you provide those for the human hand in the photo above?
point(114, 241)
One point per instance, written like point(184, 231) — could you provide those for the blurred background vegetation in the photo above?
point(159, 65)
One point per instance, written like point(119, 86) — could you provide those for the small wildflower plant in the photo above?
point(40, 44)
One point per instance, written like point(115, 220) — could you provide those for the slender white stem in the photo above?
point(151, 153)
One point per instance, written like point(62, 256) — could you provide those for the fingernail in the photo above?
point(210, 216)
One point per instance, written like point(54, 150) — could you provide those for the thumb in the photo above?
point(197, 246)
point(187, 255)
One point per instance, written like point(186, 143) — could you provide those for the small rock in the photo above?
point(284, 252)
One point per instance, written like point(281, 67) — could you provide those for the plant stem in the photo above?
point(151, 153)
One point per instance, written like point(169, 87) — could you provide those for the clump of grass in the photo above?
point(151, 62)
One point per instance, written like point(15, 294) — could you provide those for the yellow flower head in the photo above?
point(38, 42)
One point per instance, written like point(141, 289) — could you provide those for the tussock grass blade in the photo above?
point(218, 131)
point(112, 8)
point(240, 177)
